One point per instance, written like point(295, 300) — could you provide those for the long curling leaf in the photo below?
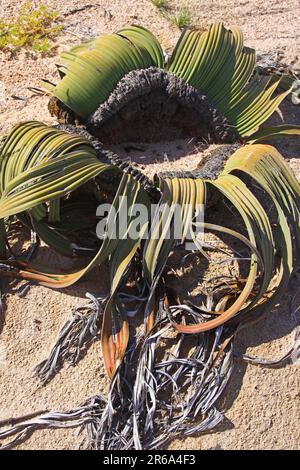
point(91, 71)
point(276, 131)
point(217, 63)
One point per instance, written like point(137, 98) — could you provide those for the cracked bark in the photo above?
point(152, 105)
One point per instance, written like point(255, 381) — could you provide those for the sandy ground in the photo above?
point(262, 406)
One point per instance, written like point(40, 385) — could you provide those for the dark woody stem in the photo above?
point(152, 105)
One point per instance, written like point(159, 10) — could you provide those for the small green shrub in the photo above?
point(160, 4)
point(34, 27)
point(182, 18)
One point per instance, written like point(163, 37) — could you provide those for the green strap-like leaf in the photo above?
point(280, 130)
point(91, 71)
point(217, 63)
